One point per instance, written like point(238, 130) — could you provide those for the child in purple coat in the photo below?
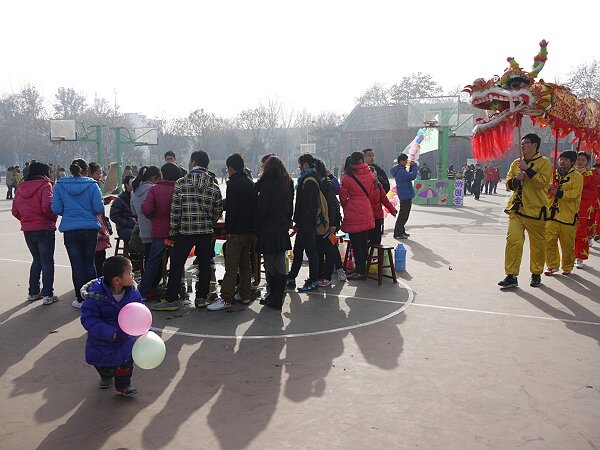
point(108, 348)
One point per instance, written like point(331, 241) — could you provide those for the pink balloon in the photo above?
point(135, 319)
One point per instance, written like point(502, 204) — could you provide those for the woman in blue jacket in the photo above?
point(78, 200)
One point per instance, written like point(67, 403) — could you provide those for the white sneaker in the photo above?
point(341, 274)
point(33, 298)
point(50, 299)
point(218, 305)
point(591, 243)
point(76, 304)
point(579, 263)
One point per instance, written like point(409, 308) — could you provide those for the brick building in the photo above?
point(382, 128)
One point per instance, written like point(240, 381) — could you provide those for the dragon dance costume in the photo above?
point(564, 206)
point(527, 210)
point(590, 203)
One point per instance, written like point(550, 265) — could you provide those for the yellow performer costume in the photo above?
point(563, 206)
point(526, 211)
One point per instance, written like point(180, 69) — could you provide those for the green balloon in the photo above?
point(148, 351)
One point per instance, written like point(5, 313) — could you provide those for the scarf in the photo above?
point(305, 172)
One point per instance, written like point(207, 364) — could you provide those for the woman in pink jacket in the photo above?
point(379, 200)
point(38, 223)
point(357, 197)
point(157, 207)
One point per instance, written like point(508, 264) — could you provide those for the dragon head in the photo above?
point(506, 98)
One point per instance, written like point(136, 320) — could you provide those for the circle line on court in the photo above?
point(405, 305)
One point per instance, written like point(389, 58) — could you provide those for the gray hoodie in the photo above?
point(137, 198)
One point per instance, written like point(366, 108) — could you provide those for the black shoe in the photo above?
point(290, 283)
point(509, 282)
point(536, 280)
point(278, 296)
point(271, 280)
point(597, 238)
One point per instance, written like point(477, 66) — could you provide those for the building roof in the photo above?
point(376, 118)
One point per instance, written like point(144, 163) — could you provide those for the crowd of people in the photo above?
point(170, 210)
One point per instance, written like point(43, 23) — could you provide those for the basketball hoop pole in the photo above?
point(97, 140)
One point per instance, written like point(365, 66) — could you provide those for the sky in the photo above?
point(166, 59)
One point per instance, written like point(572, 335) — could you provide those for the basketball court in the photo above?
point(441, 360)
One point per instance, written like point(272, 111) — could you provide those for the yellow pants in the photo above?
point(515, 238)
point(566, 235)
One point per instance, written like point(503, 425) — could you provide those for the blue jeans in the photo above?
point(125, 233)
point(152, 267)
point(81, 248)
point(41, 246)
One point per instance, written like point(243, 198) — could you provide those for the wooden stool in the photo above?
point(347, 256)
point(380, 257)
point(122, 248)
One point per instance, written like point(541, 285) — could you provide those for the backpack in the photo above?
point(322, 218)
point(333, 205)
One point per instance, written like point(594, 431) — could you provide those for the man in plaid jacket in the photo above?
point(197, 205)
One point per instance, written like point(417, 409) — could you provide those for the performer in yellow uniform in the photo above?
point(528, 178)
point(565, 196)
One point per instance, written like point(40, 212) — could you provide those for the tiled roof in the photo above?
point(374, 118)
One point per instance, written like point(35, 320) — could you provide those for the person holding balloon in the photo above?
point(108, 347)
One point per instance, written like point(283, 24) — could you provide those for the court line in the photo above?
point(29, 262)
point(404, 306)
point(498, 313)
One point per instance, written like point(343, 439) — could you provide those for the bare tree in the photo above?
point(23, 133)
point(416, 85)
point(69, 104)
point(376, 95)
point(585, 80)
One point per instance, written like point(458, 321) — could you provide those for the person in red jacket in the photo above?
point(596, 170)
point(379, 200)
point(38, 223)
point(356, 197)
point(157, 207)
point(489, 179)
point(587, 209)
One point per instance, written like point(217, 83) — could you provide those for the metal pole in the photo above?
point(119, 157)
point(444, 133)
point(99, 146)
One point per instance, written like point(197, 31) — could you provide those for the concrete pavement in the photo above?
point(444, 360)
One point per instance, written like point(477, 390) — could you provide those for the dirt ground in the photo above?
point(443, 360)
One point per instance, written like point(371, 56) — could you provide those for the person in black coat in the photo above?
point(272, 220)
point(468, 179)
point(381, 174)
point(305, 222)
point(327, 251)
point(478, 177)
point(120, 211)
point(239, 205)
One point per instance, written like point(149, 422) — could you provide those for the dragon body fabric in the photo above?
point(516, 94)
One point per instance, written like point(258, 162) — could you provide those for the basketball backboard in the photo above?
point(465, 126)
point(441, 111)
point(145, 136)
point(62, 130)
point(308, 148)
